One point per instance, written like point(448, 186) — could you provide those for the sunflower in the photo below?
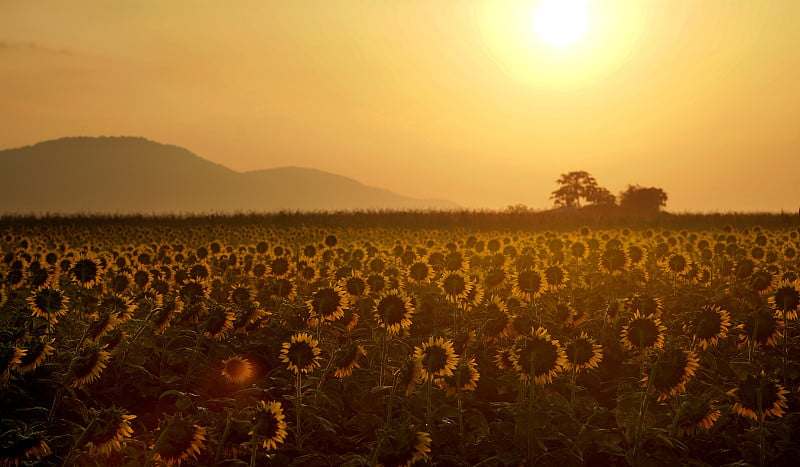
point(473, 297)
point(698, 413)
point(48, 303)
point(504, 359)
point(166, 310)
point(408, 375)
point(328, 303)
point(301, 354)
point(103, 324)
point(614, 260)
point(120, 282)
point(555, 276)
point(345, 360)
point(237, 370)
point(179, 440)
point(759, 391)
point(87, 366)
point(10, 358)
point(761, 281)
point(86, 271)
point(497, 320)
point(455, 285)
point(401, 445)
point(672, 370)
point(496, 279)
point(538, 357)
point(643, 333)
point(528, 283)
point(438, 358)
point(583, 353)
point(713, 324)
point(465, 378)
point(644, 304)
point(268, 424)
point(676, 264)
point(354, 285)
point(36, 351)
point(284, 288)
point(241, 294)
point(108, 429)
point(21, 444)
point(419, 272)
point(786, 298)
point(218, 323)
point(761, 327)
point(280, 267)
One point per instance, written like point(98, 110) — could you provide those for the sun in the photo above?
point(561, 23)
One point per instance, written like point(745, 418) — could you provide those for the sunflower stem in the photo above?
point(253, 450)
point(640, 419)
point(75, 446)
point(298, 409)
point(224, 437)
point(762, 455)
point(383, 357)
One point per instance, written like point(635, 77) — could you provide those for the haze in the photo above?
point(445, 99)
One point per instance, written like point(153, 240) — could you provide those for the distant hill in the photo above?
point(125, 175)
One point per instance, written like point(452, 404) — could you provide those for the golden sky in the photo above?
point(460, 100)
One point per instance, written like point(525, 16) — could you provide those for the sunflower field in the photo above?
point(243, 344)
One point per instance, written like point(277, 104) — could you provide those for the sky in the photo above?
point(458, 100)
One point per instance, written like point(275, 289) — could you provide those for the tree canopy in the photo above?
point(580, 185)
point(643, 199)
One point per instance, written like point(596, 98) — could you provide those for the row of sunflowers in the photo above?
point(234, 344)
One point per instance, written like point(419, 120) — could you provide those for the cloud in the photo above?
point(32, 46)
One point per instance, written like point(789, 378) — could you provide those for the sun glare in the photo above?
point(561, 23)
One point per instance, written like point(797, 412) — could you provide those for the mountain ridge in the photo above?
point(132, 175)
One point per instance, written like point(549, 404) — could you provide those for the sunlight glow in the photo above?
point(561, 23)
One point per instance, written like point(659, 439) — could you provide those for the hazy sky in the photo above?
point(429, 98)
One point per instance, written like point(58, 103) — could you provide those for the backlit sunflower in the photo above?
point(21, 444)
point(86, 272)
point(179, 440)
point(438, 358)
point(10, 358)
point(759, 391)
point(108, 430)
point(301, 353)
point(328, 303)
point(698, 413)
point(504, 359)
point(538, 357)
point(555, 276)
point(465, 377)
point(497, 320)
point(583, 353)
point(454, 285)
point(402, 445)
point(671, 371)
point(355, 285)
point(761, 327)
point(237, 370)
point(36, 351)
point(100, 326)
point(166, 309)
point(496, 279)
point(761, 281)
point(528, 283)
point(218, 322)
point(345, 359)
point(280, 267)
point(786, 298)
point(408, 375)
point(242, 294)
point(713, 324)
point(268, 425)
point(88, 364)
point(419, 272)
point(643, 333)
point(48, 303)
point(676, 264)
point(614, 261)
point(644, 304)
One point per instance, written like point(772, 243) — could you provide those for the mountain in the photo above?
point(125, 175)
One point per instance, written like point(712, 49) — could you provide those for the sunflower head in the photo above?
point(465, 378)
point(583, 353)
point(529, 283)
point(328, 303)
point(759, 396)
point(643, 333)
point(713, 324)
point(268, 424)
point(671, 371)
point(237, 370)
point(345, 360)
point(438, 358)
point(108, 430)
point(301, 353)
point(455, 285)
point(402, 445)
point(393, 311)
point(180, 439)
point(88, 364)
point(537, 357)
point(698, 413)
point(786, 298)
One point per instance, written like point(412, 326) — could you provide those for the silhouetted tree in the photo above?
point(575, 186)
point(643, 199)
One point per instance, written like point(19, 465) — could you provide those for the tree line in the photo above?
point(576, 189)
